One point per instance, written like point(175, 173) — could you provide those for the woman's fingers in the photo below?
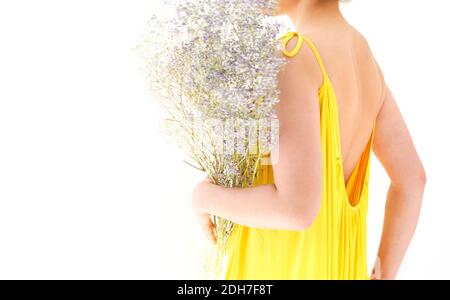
point(207, 180)
point(208, 227)
point(376, 272)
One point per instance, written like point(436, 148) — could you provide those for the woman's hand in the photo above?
point(376, 271)
point(199, 195)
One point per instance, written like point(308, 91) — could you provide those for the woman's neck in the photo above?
point(309, 15)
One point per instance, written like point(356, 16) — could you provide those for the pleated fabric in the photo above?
point(334, 246)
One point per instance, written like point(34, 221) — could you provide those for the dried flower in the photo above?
point(213, 65)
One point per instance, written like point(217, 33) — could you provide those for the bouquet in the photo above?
point(213, 65)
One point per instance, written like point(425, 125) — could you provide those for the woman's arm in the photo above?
point(394, 148)
point(293, 201)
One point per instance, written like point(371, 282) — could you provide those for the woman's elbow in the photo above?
point(414, 178)
point(423, 177)
point(301, 217)
point(419, 175)
point(305, 220)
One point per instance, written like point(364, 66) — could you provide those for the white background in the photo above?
point(90, 190)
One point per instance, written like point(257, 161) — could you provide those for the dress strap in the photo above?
point(286, 38)
point(289, 35)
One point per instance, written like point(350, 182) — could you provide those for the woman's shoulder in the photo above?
point(364, 47)
point(360, 41)
point(302, 63)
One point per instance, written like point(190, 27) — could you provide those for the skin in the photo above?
point(293, 201)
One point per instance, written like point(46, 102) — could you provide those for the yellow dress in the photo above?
point(334, 246)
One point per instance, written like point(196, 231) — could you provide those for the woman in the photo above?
point(306, 218)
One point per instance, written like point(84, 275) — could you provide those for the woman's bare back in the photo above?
point(358, 84)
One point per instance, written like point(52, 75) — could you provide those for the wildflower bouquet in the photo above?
point(213, 66)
